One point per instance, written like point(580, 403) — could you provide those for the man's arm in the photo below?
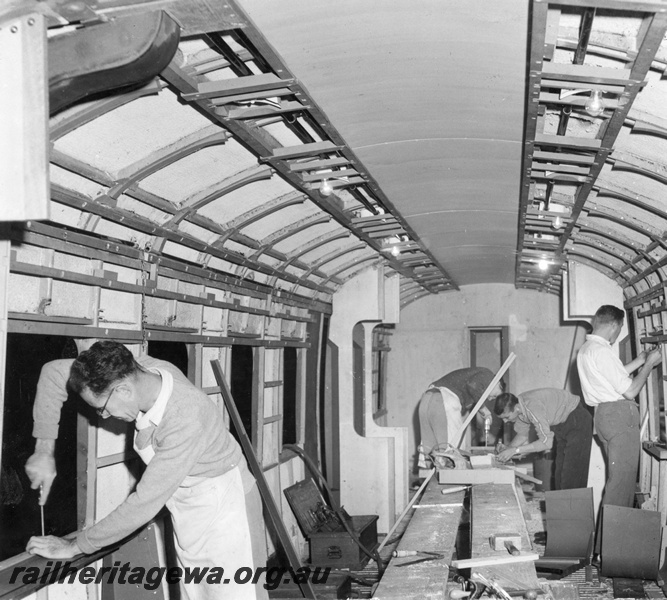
point(633, 365)
point(652, 359)
point(50, 396)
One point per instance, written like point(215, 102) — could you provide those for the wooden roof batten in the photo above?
point(566, 149)
point(218, 97)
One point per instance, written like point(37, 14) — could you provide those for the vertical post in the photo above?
point(5, 253)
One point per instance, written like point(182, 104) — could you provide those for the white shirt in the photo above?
point(153, 416)
point(601, 372)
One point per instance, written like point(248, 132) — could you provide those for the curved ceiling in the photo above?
point(453, 137)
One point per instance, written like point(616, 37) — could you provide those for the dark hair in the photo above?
point(100, 366)
point(504, 401)
point(608, 314)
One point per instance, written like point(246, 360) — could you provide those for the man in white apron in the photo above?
point(194, 466)
point(443, 406)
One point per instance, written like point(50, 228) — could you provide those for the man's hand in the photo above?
point(41, 468)
point(51, 546)
point(654, 356)
point(505, 455)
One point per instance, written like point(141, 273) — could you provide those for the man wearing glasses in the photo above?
point(193, 465)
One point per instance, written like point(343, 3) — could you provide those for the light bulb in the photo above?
point(395, 250)
point(595, 105)
point(557, 223)
point(543, 265)
point(325, 188)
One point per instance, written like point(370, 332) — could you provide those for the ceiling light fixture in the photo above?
point(326, 189)
point(395, 250)
point(543, 264)
point(595, 105)
point(557, 223)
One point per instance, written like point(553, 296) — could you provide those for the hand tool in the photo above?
point(41, 506)
point(458, 488)
point(492, 585)
point(402, 553)
point(510, 541)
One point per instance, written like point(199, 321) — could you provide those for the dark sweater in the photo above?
point(468, 384)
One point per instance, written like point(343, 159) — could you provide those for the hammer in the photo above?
point(509, 541)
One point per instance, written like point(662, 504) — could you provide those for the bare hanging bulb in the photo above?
point(325, 188)
point(595, 105)
point(557, 223)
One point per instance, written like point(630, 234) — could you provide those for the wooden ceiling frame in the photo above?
point(357, 265)
point(565, 150)
point(143, 225)
point(318, 242)
point(227, 231)
point(129, 177)
point(270, 241)
point(217, 98)
point(66, 122)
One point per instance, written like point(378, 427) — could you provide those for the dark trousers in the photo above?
point(574, 438)
point(617, 427)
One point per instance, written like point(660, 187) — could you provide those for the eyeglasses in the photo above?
point(102, 411)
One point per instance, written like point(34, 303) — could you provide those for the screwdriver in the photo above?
point(41, 507)
point(403, 553)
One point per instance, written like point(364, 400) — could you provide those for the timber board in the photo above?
point(495, 509)
point(432, 528)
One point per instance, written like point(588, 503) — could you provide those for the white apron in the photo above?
point(209, 518)
point(452, 406)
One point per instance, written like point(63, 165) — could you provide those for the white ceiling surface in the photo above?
point(430, 97)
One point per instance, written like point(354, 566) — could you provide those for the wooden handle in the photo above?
point(512, 549)
point(484, 396)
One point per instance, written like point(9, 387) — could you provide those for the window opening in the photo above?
point(381, 348)
point(174, 352)
point(290, 425)
point(19, 511)
point(241, 380)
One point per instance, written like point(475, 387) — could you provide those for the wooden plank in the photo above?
point(406, 509)
point(567, 141)
point(428, 531)
point(484, 396)
point(311, 149)
point(585, 73)
point(256, 469)
point(24, 169)
point(228, 87)
point(487, 561)
point(475, 476)
point(495, 509)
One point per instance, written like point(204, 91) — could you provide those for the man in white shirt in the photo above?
point(607, 385)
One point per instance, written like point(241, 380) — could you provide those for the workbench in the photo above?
point(433, 528)
point(496, 509)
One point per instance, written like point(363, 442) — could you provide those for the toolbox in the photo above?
point(330, 543)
